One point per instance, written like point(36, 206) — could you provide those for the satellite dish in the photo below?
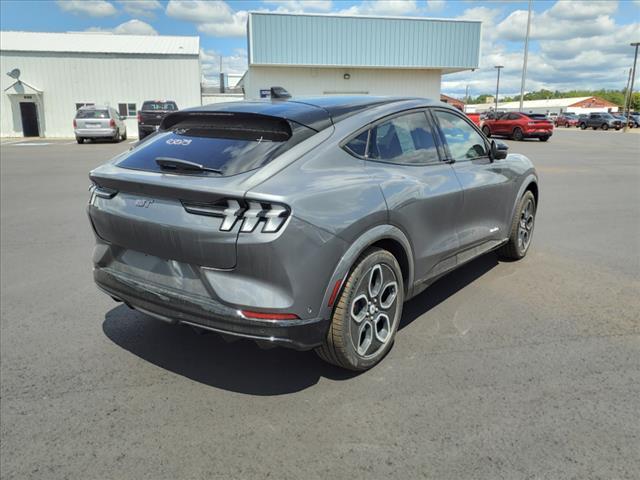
point(15, 73)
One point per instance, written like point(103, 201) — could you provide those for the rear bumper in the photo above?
point(537, 133)
point(147, 128)
point(176, 306)
point(95, 132)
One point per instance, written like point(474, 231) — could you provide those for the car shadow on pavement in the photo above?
point(242, 366)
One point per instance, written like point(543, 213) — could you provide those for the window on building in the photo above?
point(78, 105)
point(127, 109)
point(406, 139)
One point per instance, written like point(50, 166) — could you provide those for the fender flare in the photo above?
point(375, 234)
point(529, 179)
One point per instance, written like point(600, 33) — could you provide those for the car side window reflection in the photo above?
point(462, 139)
point(406, 139)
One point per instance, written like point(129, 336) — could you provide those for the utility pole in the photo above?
point(626, 95)
point(498, 67)
point(526, 56)
point(633, 76)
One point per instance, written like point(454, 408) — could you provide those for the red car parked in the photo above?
point(518, 126)
point(474, 117)
point(567, 120)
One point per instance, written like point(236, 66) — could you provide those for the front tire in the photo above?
point(605, 126)
point(544, 139)
point(80, 140)
point(367, 313)
point(521, 229)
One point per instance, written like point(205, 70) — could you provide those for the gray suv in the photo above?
point(305, 223)
point(600, 120)
point(93, 122)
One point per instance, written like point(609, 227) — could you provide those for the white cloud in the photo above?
point(140, 8)
point(383, 7)
point(300, 6)
point(574, 45)
point(93, 8)
point(214, 18)
point(210, 63)
point(435, 5)
point(132, 27)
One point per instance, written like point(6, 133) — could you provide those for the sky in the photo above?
point(574, 44)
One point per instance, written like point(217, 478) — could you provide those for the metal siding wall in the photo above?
point(70, 78)
point(361, 41)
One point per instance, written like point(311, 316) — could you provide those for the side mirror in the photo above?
point(499, 150)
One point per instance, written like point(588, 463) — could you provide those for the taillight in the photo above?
point(139, 117)
point(112, 123)
point(250, 213)
point(74, 123)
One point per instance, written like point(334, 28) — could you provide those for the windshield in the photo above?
point(159, 106)
point(92, 114)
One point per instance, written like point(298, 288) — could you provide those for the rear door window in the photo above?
point(406, 139)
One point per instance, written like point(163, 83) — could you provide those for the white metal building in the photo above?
point(336, 54)
point(552, 105)
point(53, 74)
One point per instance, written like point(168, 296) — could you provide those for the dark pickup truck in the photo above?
point(602, 120)
point(151, 114)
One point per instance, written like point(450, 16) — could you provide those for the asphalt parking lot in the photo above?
point(500, 370)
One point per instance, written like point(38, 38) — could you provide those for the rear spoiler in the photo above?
point(267, 126)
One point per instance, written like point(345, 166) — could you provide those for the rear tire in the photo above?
point(116, 137)
point(544, 139)
point(80, 140)
point(521, 230)
point(517, 134)
point(367, 313)
point(124, 136)
point(486, 131)
point(583, 126)
point(605, 126)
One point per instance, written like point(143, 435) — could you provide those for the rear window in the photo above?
point(159, 106)
point(92, 114)
point(232, 144)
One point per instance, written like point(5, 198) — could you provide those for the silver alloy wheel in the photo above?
point(525, 227)
point(374, 310)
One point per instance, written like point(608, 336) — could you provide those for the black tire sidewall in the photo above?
point(514, 233)
point(374, 257)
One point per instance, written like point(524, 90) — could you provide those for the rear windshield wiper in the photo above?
point(168, 163)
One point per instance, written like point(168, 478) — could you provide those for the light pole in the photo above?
point(633, 76)
point(526, 56)
point(498, 67)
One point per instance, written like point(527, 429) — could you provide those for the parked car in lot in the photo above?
point(474, 117)
point(152, 113)
point(602, 120)
point(567, 120)
point(519, 126)
point(94, 122)
point(305, 223)
point(634, 120)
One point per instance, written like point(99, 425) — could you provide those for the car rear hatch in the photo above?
point(90, 119)
point(180, 194)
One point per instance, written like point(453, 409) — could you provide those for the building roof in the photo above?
point(547, 103)
point(90, 42)
point(277, 39)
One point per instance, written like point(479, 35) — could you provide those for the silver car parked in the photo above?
point(305, 223)
point(92, 122)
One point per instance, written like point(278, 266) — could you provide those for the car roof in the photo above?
point(314, 112)
point(95, 107)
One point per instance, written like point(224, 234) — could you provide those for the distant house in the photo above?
point(551, 105)
point(459, 104)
